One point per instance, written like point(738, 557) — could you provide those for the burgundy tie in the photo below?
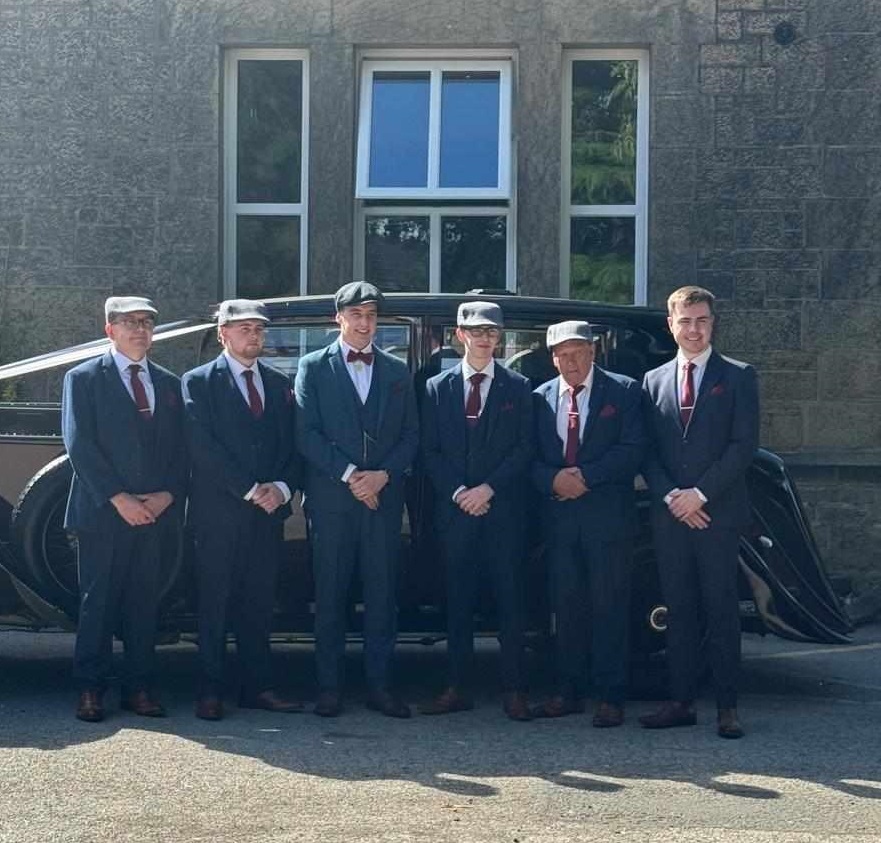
point(141, 401)
point(472, 405)
point(365, 357)
point(573, 426)
point(687, 405)
point(254, 401)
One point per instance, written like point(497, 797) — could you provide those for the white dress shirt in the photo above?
point(360, 373)
point(583, 402)
point(122, 363)
point(238, 369)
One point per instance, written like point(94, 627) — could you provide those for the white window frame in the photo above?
point(435, 214)
point(436, 68)
point(234, 209)
point(639, 209)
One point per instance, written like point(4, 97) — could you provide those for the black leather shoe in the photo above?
point(89, 707)
point(387, 704)
point(209, 707)
point(270, 701)
point(516, 706)
point(608, 716)
point(449, 701)
point(559, 706)
point(670, 715)
point(142, 704)
point(328, 704)
point(728, 724)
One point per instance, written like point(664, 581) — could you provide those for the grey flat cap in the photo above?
point(572, 330)
point(355, 293)
point(117, 305)
point(473, 314)
point(237, 310)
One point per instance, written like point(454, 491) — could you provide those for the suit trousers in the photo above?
point(590, 597)
point(489, 545)
point(340, 540)
point(119, 591)
point(237, 564)
point(698, 571)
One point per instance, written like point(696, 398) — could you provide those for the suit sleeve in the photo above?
point(659, 481)
point(400, 458)
point(292, 470)
point(543, 472)
point(439, 469)
point(79, 430)
point(178, 466)
point(206, 450)
point(743, 441)
point(620, 463)
point(311, 439)
point(516, 463)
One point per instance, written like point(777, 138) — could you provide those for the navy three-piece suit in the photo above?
point(497, 451)
point(698, 568)
point(238, 544)
point(335, 430)
point(589, 539)
point(113, 449)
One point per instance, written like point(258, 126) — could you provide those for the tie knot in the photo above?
point(359, 357)
point(248, 374)
point(574, 390)
point(477, 378)
point(135, 369)
point(687, 366)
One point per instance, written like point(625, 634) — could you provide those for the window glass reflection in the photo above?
point(469, 151)
point(473, 253)
point(267, 256)
point(396, 252)
point(602, 254)
point(399, 130)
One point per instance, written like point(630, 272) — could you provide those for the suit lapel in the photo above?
point(120, 400)
point(551, 395)
point(595, 402)
point(341, 373)
point(495, 398)
point(712, 376)
point(381, 382)
point(669, 392)
point(455, 400)
point(228, 385)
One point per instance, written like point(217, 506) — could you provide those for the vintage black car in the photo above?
point(784, 588)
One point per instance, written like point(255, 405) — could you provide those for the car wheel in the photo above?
point(47, 550)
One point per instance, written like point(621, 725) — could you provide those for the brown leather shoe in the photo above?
point(209, 707)
point(670, 715)
point(387, 704)
point(728, 724)
point(608, 715)
point(449, 701)
point(142, 704)
point(270, 701)
point(90, 708)
point(559, 706)
point(516, 706)
point(328, 704)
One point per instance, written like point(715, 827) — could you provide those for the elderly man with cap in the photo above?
point(590, 440)
point(245, 467)
point(477, 447)
point(122, 425)
point(358, 431)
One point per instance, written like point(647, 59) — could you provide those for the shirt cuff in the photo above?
point(284, 489)
point(458, 492)
point(669, 496)
point(700, 494)
point(251, 492)
point(350, 470)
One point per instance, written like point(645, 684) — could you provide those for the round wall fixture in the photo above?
point(784, 33)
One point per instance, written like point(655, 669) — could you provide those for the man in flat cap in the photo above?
point(358, 431)
point(590, 440)
point(476, 448)
point(245, 468)
point(122, 425)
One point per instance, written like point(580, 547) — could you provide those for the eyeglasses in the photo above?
point(489, 333)
point(132, 324)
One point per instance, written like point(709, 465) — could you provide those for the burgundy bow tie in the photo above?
point(364, 356)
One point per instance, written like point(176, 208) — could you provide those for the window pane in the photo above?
point(399, 130)
point(269, 126)
point(267, 256)
point(473, 253)
point(396, 252)
point(602, 259)
point(604, 132)
point(469, 153)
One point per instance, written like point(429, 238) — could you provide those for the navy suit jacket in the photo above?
point(223, 450)
point(611, 450)
point(99, 423)
point(329, 432)
point(505, 453)
point(719, 445)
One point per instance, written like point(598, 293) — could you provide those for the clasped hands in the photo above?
point(476, 500)
point(569, 484)
point(686, 506)
point(366, 486)
point(139, 510)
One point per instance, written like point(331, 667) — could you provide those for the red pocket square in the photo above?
point(507, 406)
point(171, 399)
point(608, 411)
point(718, 389)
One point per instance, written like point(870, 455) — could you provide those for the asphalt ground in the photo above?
point(809, 768)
